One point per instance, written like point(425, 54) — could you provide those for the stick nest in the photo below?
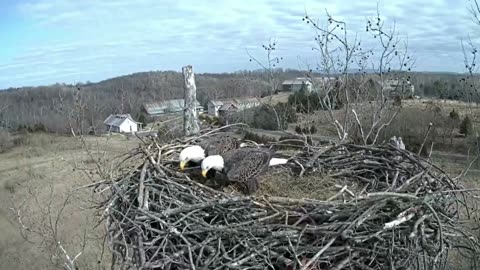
point(403, 214)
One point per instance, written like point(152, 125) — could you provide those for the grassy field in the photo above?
point(36, 175)
point(39, 174)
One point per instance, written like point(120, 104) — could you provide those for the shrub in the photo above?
point(397, 101)
point(39, 127)
point(209, 119)
point(466, 126)
point(286, 112)
point(142, 119)
point(454, 115)
point(298, 129)
point(313, 129)
point(265, 118)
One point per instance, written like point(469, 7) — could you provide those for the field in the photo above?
point(40, 172)
point(36, 174)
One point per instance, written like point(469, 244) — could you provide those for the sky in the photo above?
point(68, 41)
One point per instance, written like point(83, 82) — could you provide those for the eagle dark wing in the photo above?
point(220, 145)
point(245, 165)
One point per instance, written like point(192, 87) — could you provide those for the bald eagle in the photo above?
point(242, 165)
point(213, 146)
point(401, 145)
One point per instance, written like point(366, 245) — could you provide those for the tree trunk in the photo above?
point(190, 122)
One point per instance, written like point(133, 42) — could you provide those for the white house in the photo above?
point(216, 107)
point(121, 123)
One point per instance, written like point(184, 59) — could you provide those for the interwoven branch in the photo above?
point(403, 216)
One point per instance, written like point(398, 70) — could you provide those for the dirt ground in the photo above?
point(40, 174)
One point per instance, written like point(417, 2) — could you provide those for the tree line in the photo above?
point(59, 108)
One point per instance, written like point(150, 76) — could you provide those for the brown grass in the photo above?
point(279, 183)
point(46, 163)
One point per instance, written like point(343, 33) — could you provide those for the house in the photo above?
point(296, 85)
point(401, 87)
point(168, 107)
point(214, 106)
point(121, 123)
point(227, 109)
point(221, 106)
point(323, 85)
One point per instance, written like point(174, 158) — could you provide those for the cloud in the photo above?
point(93, 40)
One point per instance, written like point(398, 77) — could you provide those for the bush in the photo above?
point(310, 102)
point(306, 130)
point(397, 101)
point(142, 119)
point(265, 118)
point(466, 126)
point(39, 127)
point(454, 115)
point(298, 129)
point(209, 119)
point(286, 112)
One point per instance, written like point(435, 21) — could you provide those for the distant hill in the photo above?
point(56, 106)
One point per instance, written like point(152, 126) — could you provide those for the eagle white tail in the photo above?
point(278, 161)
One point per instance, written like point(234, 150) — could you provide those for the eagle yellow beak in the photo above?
point(182, 164)
point(204, 173)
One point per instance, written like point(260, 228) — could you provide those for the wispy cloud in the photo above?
point(94, 40)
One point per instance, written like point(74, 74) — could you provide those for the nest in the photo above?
point(403, 214)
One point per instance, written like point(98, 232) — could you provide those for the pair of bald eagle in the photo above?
point(236, 161)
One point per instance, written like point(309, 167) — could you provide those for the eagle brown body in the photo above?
point(244, 165)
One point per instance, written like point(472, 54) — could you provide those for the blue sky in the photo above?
point(49, 41)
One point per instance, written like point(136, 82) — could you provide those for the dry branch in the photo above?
point(405, 214)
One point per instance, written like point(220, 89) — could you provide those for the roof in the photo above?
point(216, 102)
point(247, 100)
point(296, 81)
point(117, 119)
point(172, 105)
point(227, 106)
point(235, 101)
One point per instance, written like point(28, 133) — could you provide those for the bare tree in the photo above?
point(364, 95)
point(269, 65)
point(471, 82)
point(44, 231)
point(272, 78)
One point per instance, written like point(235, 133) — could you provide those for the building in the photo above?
point(214, 106)
point(168, 107)
point(121, 123)
point(220, 107)
point(228, 109)
point(398, 87)
point(247, 103)
point(296, 85)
